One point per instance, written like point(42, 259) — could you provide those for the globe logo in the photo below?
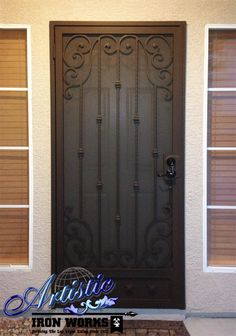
point(71, 274)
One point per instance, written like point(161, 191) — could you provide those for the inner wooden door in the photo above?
point(118, 156)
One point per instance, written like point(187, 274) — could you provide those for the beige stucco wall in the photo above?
point(204, 292)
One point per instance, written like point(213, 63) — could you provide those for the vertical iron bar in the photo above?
point(136, 151)
point(81, 153)
point(99, 177)
point(118, 86)
point(155, 154)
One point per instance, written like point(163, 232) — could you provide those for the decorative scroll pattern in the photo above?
point(78, 62)
point(153, 47)
point(78, 55)
point(158, 240)
point(78, 244)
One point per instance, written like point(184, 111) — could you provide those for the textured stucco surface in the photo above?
point(204, 292)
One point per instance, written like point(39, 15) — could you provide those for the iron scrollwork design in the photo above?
point(79, 49)
point(157, 241)
point(119, 257)
point(77, 54)
point(127, 44)
point(155, 47)
point(108, 44)
point(78, 241)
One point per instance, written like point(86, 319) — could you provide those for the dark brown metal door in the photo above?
point(118, 156)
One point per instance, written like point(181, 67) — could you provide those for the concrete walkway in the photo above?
point(211, 326)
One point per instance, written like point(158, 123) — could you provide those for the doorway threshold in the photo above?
point(142, 313)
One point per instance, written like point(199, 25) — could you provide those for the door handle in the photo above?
point(169, 168)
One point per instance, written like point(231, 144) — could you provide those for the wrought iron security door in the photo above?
point(118, 131)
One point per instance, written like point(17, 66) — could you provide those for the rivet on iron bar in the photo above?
point(118, 84)
point(136, 186)
point(81, 153)
point(118, 219)
point(136, 120)
point(155, 153)
point(99, 119)
point(99, 185)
